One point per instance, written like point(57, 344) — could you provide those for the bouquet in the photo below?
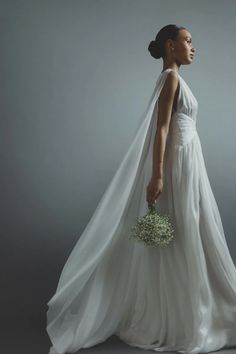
point(153, 229)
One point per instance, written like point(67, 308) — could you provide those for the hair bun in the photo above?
point(154, 49)
point(157, 47)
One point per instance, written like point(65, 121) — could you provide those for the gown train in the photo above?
point(180, 298)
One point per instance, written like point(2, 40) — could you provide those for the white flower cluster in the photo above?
point(153, 229)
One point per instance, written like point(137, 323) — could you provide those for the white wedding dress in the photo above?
point(179, 298)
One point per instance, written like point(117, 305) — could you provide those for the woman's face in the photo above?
point(183, 51)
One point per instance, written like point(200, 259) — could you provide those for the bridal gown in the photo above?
point(179, 298)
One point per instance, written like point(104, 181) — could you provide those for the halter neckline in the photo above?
point(170, 69)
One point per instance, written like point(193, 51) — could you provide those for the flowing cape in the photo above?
point(99, 279)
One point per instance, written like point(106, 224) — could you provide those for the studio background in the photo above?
point(76, 76)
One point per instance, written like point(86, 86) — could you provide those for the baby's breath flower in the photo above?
point(153, 229)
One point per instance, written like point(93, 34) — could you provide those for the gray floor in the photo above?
point(37, 342)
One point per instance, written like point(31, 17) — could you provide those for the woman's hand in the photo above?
point(153, 190)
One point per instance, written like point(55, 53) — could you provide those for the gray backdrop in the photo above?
point(75, 78)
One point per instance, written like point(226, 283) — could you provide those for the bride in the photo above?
point(183, 297)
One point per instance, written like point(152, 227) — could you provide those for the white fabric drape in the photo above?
point(96, 286)
point(180, 298)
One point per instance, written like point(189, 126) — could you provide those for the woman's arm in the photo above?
point(165, 105)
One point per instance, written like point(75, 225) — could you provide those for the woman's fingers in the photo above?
point(152, 194)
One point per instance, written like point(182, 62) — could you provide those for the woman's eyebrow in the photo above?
point(188, 37)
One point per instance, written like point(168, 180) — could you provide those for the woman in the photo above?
point(183, 297)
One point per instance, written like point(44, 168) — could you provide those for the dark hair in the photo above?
point(157, 47)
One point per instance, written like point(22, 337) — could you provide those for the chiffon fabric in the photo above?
point(179, 298)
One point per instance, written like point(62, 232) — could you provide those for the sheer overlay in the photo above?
point(181, 298)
